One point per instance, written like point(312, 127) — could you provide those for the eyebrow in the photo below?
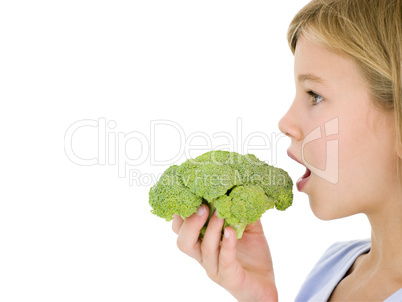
point(311, 77)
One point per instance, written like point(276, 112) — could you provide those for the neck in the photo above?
point(386, 237)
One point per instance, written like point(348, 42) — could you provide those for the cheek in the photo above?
point(315, 153)
point(367, 162)
point(319, 146)
point(359, 158)
point(363, 150)
point(367, 169)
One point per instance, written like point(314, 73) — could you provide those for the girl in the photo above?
point(348, 86)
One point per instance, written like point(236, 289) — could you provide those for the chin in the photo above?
point(323, 211)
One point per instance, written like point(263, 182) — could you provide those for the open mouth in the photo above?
point(302, 180)
point(306, 174)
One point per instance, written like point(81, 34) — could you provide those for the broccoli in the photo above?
point(240, 187)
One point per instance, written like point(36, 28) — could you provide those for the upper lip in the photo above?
point(290, 154)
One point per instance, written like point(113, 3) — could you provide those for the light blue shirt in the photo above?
point(331, 269)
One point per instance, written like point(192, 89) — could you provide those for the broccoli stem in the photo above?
point(238, 227)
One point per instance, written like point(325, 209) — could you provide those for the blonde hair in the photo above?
point(367, 31)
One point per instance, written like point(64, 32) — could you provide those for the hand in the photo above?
point(243, 267)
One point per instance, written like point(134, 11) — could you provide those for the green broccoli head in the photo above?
point(242, 206)
point(169, 196)
point(210, 175)
point(240, 187)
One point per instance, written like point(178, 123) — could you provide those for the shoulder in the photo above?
point(331, 268)
point(344, 250)
point(397, 297)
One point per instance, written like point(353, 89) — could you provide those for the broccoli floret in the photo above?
point(240, 187)
point(169, 196)
point(244, 205)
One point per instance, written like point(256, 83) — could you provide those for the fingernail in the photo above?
point(201, 210)
point(216, 213)
point(226, 233)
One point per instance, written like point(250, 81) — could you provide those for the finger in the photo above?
point(188, 241)
point(177, 223)
point(228, 265)
point(210, 245)
point(255, 228)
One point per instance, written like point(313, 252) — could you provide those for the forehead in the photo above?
point(313, 60)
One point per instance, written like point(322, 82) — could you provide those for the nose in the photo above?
point(289, 126)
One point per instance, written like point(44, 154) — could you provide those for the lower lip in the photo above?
point(301, 182)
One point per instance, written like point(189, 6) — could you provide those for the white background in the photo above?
point(70, 232)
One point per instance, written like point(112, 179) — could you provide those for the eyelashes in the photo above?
point(315, 98)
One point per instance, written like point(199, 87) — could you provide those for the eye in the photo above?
point(315, 97)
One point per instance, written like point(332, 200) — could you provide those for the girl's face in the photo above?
point(347, 144)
